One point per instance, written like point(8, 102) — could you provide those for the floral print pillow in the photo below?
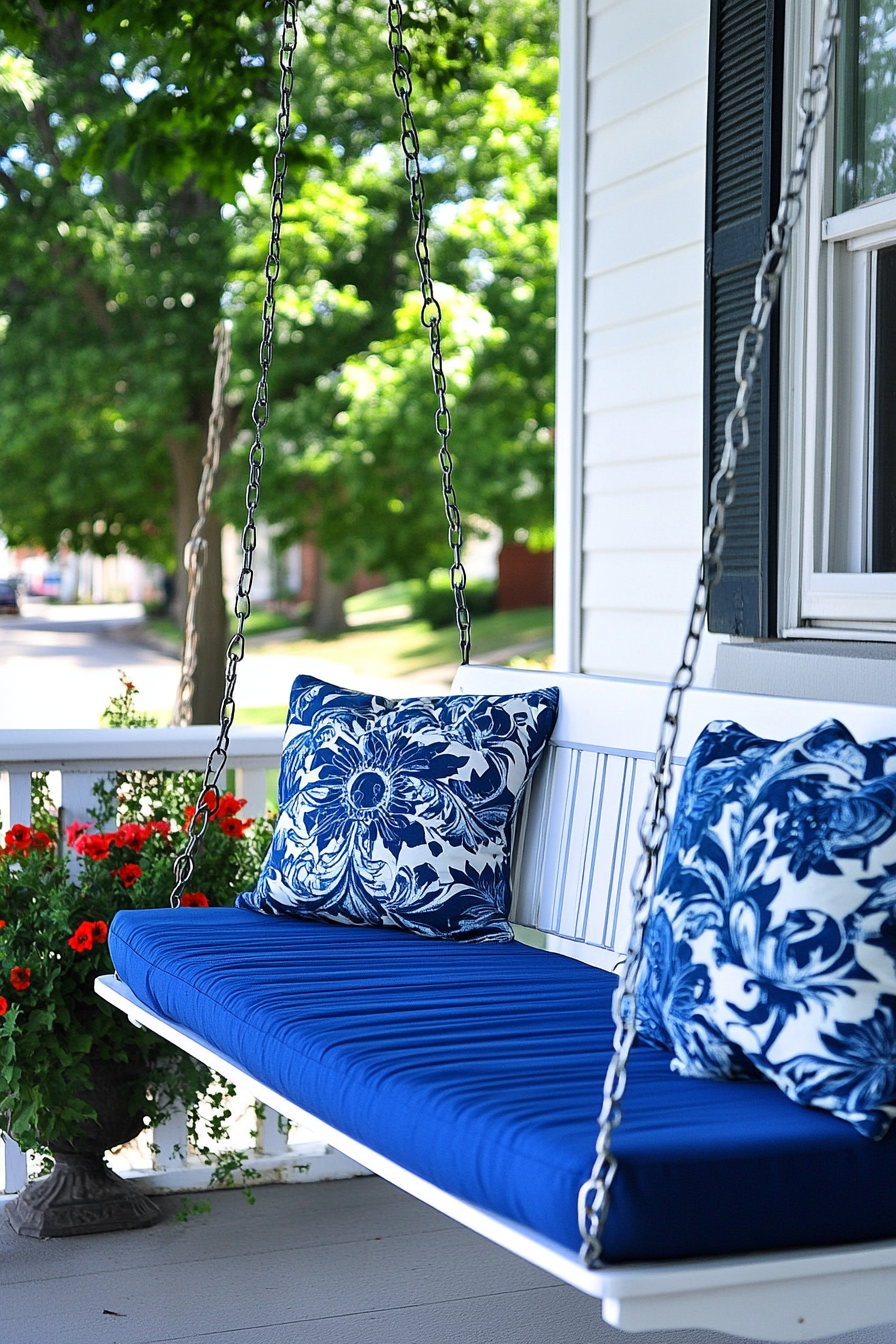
point(770, 950)
point(399, 812)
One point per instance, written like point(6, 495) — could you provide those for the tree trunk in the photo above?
point(328, 612)
point(186, 455)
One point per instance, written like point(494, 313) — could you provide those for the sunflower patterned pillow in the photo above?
point(399, 812)
point(770, 950)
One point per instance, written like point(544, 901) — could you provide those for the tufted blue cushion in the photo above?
point(771, 944)
point(399, 812)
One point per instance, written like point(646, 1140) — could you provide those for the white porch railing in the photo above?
point(79, 758)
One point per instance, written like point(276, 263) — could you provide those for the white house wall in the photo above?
point(634, 496)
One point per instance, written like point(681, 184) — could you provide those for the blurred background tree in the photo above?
point(133, 180)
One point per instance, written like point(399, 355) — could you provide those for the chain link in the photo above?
point(196, 549)
point(210, 793)
point(430, 314)
point(594, 1196)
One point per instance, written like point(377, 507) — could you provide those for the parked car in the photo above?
point(9, 598)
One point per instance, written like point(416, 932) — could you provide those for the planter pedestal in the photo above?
point(79, 1196)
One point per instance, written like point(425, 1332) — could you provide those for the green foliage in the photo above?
point(121, 711)
point(434, 600)
point(352, 451)
point(55, 913)
point(133, 182)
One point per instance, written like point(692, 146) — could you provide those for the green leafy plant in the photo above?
point(433, 601)
point(56, 904)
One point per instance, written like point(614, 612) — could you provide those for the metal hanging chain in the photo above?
point(594, 1196)
point(209, 794)
point(196, 549)
point(430, 314)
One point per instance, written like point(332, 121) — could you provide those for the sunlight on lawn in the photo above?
point(393, 650)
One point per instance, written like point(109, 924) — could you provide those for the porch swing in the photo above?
point(468, 1073)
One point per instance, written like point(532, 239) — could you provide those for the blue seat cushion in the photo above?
point(480, 1068)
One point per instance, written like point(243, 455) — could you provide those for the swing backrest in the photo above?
point(576, 838)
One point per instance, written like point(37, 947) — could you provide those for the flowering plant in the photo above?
point(56, 904)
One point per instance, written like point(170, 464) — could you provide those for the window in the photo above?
point(841, 438)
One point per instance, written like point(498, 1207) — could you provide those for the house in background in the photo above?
point(676, 121)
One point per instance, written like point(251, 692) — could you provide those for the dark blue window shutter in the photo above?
point(743, 181)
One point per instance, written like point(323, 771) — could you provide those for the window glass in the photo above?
point(866, 104)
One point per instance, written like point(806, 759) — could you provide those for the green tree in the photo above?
point(133, 185)
point(352, 452)
point(114, 259)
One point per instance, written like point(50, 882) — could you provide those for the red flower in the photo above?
point(99, 928)
point(2, 923)
point(77, 828)
point(40, 840)
point(3, 1005)
point(229, 805)
point(93, 846)
point(132, 835)
point(128, 875)
point(20, 977)
point(82, 938)
point(18, 838)
point(162, 827)
point(234, 827)
point(197, 898)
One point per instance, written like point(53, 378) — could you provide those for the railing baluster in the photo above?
point(15, 798)
point(272, 1140)
point(251, 784)
point(171, 1140)
point(13, 1167)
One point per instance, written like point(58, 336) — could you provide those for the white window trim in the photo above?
point(814, 604)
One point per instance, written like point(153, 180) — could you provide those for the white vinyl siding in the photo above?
point(642, 371)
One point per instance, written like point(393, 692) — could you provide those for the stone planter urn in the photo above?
point(81, 1194)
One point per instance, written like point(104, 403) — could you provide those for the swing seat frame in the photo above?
point(575, 846)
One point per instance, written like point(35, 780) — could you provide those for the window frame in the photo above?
point(825, 502)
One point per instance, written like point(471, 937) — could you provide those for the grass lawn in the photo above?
point(260, 623)
point(393, 649)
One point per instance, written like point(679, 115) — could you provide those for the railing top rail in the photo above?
point(144, 748)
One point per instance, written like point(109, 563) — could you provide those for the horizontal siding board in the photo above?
point(633, 476)
point(642, 581)
point(650, 75)
point(654, 522)
point(645, 289)
point(651, 136)
point(636, 192)
point(644, 430)
point(621, 31)
point(649, 330)
point(628, 644)
point(650, 373)
point(656, 221)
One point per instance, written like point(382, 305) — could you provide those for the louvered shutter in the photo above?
point(743, 180)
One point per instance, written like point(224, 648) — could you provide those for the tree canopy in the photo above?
point(134, 213)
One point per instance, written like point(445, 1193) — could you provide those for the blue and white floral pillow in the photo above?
point(771, 945)
point(399, 812)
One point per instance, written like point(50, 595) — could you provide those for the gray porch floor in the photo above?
point(340, 1262)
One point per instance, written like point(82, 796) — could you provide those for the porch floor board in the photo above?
point(340, 1262)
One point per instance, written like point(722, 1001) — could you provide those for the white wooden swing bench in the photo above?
point(575, 847)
